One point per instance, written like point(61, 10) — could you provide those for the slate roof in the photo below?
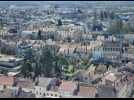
point(106, 91)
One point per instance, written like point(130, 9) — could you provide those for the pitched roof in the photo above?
point(130, 77)
point(68, 86)
point(87, 91)
point(44, 82)
point(6, 93)
point(101, 68)
point(106, 91)
point(6, 80)
point(111, 44)
point(24, 83)
point(26, 95)
point(110, 77)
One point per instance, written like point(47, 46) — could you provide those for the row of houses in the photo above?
point(110, 85)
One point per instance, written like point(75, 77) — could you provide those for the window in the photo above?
point(55, 95)
point(105, 49)
point(86, 78)
point(44, 94)
point(47, 94)
point(36, 92)
point(111, 49)
point(51, 94)
point(115, 49)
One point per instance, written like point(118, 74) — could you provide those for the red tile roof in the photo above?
point(6, 80)
point(68, 86)
point(87, 91)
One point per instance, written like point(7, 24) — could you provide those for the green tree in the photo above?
point(4, 71)
point(79, 11)
point(47, 61)
point(116, 27)
point(112, 15)
point(101, 15)
point(59, 22)
point(126, 28)
point(39, 34)
point(119, 25)
point(26, 68)
point(61, 61)
point(105, 14)
point(94, 17)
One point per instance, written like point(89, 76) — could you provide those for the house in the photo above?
point(111, 78)
point(43, 88)
point(91, 70)
point(125, 85)
point(126, 69)
point(130, 64)
point(49, 34)
point(10, 86)
point(97, 53)
point(66, 50)
point(7, 81)
point(68, 88)
point(27, 85)
point(97, 49)
point(23, 94)
point(84, 77)
point(112, 50)
point(37, 44)
point(50, 42)
point(100, 69)
point(84, 49)
point(87, 91)
point(6, 93)
point(26, 34)
point(104, 91)
point(129, 52)
point(106, 37)
point(10, 93)
point(129, 38)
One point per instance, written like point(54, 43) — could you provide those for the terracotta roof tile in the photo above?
point(87, 91)
point(6, 80)
point(68, 86)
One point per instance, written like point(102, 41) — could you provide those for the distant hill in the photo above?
point(37, 3)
